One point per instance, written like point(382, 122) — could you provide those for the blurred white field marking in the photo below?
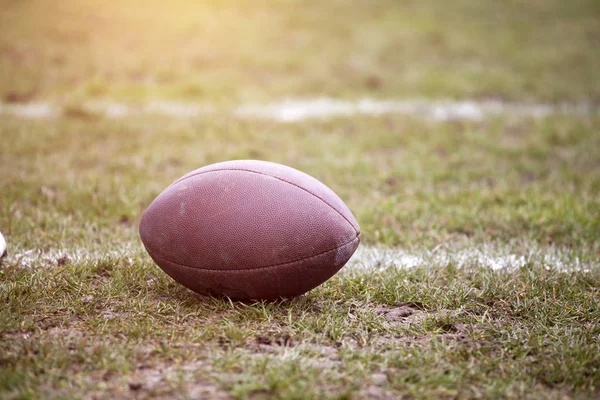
point(366, 258)
point(43, 258)
point(29, 110)
point(295, 110)
point(165, 108)
point(374, 258)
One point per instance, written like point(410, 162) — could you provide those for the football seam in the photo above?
point(357, 237)
point(278, 178)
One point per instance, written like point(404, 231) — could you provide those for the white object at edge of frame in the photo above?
point(2, 246)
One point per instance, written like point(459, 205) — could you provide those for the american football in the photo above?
point(249, 229)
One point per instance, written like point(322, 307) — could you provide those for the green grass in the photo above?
point(99, 325)
point(85, 313)
point(92, 314)
point(409, 182)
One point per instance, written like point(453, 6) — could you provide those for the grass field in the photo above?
point(478, 275)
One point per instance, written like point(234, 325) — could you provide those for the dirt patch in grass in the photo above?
point(161, 381)
point(377, 393)
point(271, 341)
point(402, 314)
point(413, 317)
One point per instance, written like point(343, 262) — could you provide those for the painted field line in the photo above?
point(369, 258)
point(366, 258)
point(293, 110)
point(29, 110)
point(296, 110)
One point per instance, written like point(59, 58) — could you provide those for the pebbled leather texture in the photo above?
point(249, 229)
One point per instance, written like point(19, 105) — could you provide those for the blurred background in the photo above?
point(223, 51)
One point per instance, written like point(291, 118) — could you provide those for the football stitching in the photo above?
point(274, 177)
point(357, 237)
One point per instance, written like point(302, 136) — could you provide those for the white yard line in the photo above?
point(164, 108)
point(437, 110)
point(29, 110)
point(35, 258)
point(491, 256)
point(295, 110)
point(367, 258)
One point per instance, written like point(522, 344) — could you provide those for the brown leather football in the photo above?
point(249, 229)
